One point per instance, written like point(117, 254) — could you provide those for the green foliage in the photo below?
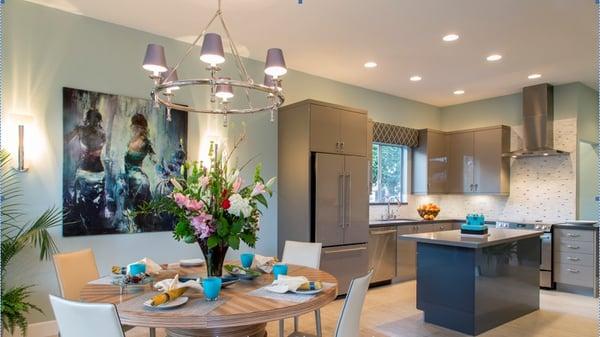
point(17, 236)
point(388, 167)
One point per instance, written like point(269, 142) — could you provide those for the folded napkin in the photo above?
point(264, 263)
point(151, 266)
point(167, 296)
point(285, 283)
point(174, 283)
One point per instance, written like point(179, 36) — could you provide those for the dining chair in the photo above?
point(348, 324)
point(77, 319)
point(307, 254)
point(76, 269)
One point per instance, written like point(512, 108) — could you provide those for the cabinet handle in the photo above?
point(382, 232)
point(476, 187)
point(342, 146)
point(348, 191)
point(471, 187)
point(571, 235)
point(574, 271)
point(337, 147)
point(345, 250)
point(573, 258)
point(573, 247)
point(342, 197)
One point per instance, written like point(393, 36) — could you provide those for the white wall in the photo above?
point(46, 49)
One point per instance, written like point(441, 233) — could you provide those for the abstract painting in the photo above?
point(119, 153)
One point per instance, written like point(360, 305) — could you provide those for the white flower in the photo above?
point(239, 205)
point(233, 176)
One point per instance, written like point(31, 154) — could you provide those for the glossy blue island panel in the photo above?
point(472, 290)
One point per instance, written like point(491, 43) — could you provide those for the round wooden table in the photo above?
point(240, 315)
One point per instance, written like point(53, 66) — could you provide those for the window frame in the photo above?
point(405, 161)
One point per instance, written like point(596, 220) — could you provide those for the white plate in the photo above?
point(191, 262)
point(308, 292)
point(179, 301)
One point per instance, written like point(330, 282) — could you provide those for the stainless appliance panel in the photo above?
point(382, 253)
point(345, 263)
point(406, 254)
point(356, 199)
point(329, 199)
point(546, 253)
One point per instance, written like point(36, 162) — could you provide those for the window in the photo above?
point(389, 173)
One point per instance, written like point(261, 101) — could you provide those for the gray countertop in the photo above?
point(453, 238)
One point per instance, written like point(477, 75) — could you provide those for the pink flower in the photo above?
point(180, 199)
point(204, 181)
point(194, 205)
point(259, 188)
point(237, 184)
point(201, 225)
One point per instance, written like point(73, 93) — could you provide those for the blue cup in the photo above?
point(212, 288)
point(279, 269)
point(247, 259)
point(136, 269)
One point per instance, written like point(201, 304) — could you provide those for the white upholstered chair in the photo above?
point(348, 324)
point(76, 319)
point(306, 254)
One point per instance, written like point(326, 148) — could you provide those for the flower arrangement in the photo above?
point(215, 207)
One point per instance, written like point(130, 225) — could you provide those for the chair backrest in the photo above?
point(76, 319)
point(306, 254)
point(74, 270)
point(348, 324)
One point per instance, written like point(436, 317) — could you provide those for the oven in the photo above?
point(546, 279)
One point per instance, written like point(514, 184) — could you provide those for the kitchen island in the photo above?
point(473, 285)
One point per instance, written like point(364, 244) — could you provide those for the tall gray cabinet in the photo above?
point(322, 188)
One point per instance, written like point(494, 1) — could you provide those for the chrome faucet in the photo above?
point(389, 202)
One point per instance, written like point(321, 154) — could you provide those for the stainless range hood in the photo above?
point(538, 123)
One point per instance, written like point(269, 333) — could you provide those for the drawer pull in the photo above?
point(393, 231)
point(345, 250)
point(573, 247)
point(574, 271)
point(571, 235)
point(573, 258)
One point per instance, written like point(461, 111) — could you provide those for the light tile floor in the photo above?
point(390, 311)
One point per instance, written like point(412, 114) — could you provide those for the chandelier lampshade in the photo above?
point(275, 64)
point(155, 60)
point(212, 49)
point(224, 91)
point(170, 76)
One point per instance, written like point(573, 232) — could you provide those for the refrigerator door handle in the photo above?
point(342, 199)
point(348, 197)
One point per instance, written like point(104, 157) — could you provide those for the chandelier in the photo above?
point(166, 81)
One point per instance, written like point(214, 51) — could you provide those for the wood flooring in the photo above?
point(389, 311)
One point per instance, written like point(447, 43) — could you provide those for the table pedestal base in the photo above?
point(257, 330)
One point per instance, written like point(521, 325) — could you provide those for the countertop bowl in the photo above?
point(428, 214)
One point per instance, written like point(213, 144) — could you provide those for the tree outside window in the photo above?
point(389, 171)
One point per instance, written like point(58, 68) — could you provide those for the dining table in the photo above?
point(242, 310)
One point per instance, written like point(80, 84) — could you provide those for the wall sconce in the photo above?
point(19, 122)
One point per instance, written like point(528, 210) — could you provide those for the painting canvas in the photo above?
point(119, 153)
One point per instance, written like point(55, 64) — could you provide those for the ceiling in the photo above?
point(334, 38)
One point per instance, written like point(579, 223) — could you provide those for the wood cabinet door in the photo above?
point(324, 129)
point(487, 164)
point(353, 133)
point(437, 162)
point(460, 168)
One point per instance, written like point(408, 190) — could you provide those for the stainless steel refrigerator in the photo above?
point(340, 214)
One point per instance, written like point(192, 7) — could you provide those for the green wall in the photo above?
point(46, 49)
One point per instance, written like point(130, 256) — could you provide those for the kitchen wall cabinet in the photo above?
point(337, 130)
point(430, 161)
point(475, 161)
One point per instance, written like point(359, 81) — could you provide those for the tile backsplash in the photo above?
point(541, 188)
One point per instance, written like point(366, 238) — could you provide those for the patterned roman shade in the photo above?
point(395, 134)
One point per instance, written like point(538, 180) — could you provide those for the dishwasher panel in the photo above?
point(382, 253)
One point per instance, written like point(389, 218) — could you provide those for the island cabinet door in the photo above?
point(406, 254)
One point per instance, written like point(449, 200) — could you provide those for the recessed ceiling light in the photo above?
point(534, 76)
point(494, 57)
point(416, 78)
point(451, 37)
point(370, 64)
point(459, 92)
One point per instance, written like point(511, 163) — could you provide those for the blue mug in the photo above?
point(212, 287)
point(136, 269)
point(279, 269)
point(247, 259)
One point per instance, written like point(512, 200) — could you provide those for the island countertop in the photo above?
point(453, 238)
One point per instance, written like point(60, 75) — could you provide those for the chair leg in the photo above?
point(295, 323)
point(152, 332)
point(281, 327)
point(318, 322)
